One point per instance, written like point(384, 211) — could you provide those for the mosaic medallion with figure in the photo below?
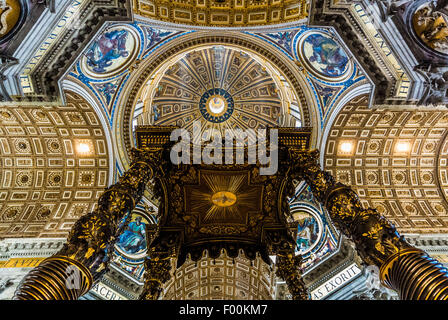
point(309, 231)
point(132, 241)
point(111, 52)
point(431, 27)
point(324, 56)
point(12, 16)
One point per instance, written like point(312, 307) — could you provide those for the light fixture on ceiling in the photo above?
point(403, 146)
point(216, 105)
point(346, 147)
point(83, 148)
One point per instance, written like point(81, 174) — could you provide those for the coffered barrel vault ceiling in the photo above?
point(235, 13)
point(396, 161)
point(54, 165)
point(220, 279)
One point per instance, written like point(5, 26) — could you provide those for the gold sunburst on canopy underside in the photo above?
point(212, 184)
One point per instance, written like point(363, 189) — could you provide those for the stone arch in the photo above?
point(123, 116)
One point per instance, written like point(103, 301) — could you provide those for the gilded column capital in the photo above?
point(157, 272)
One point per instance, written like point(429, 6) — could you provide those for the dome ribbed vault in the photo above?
point(223, 87)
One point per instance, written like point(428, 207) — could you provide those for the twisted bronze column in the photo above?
point(288, 268)
point(84, 258)
point(162, 252)
point(157, 272)
point(404, 268)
